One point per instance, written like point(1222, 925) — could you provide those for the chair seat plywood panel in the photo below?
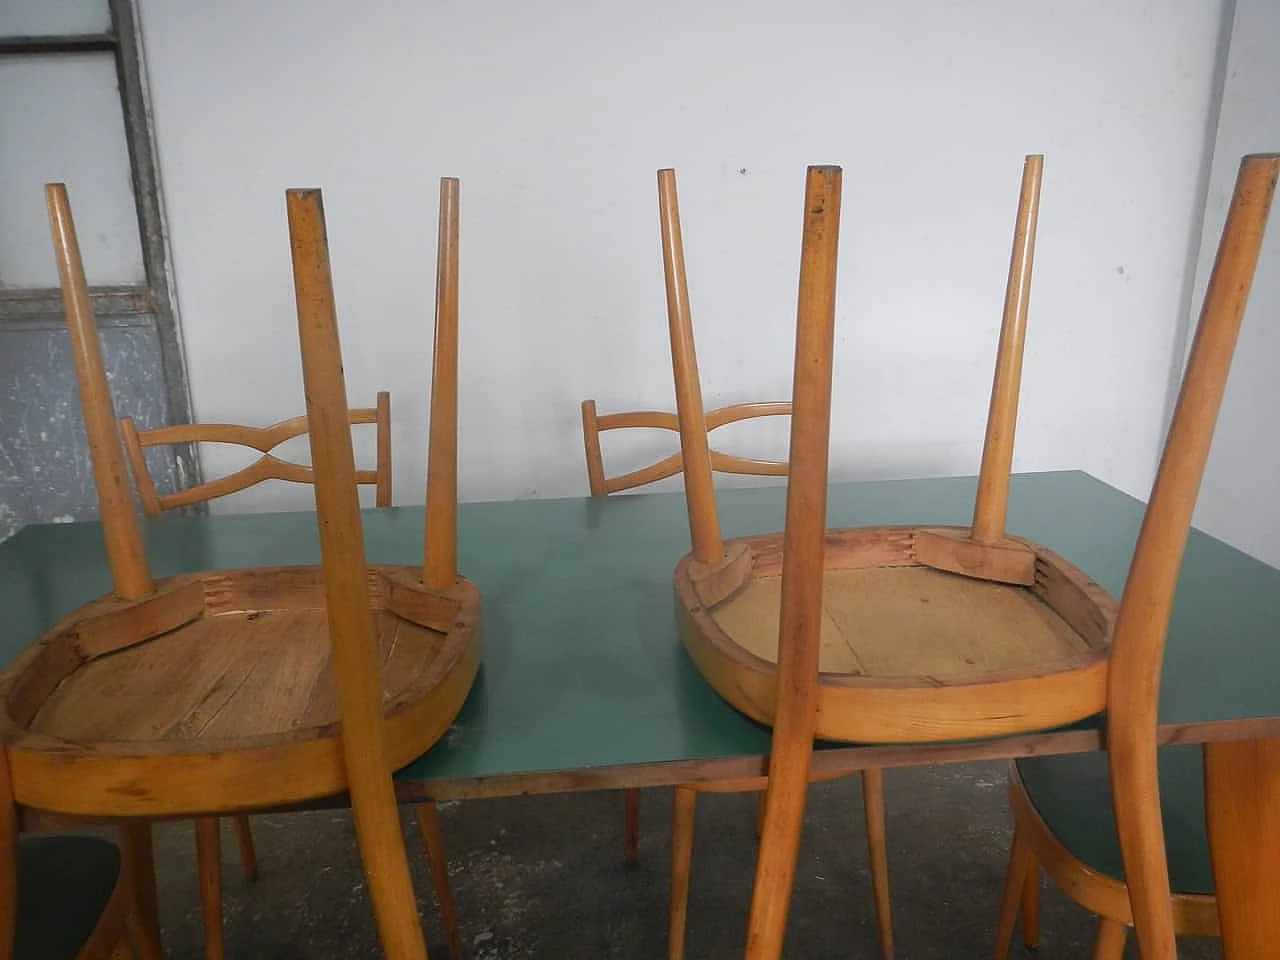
point(231, 675)
point(907, 622)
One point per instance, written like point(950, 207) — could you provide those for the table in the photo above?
point(584, 683)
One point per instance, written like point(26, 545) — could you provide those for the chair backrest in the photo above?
point(267, 467)
point(688, 389)
point(593, 424)
point(1137, 645)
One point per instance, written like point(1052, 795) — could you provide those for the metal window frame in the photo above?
point(42, 308)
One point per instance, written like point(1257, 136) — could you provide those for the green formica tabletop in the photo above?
point(584, 683)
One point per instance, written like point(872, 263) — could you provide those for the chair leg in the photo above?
point(1021, 862)
point(123, 950)
point(209, 867)
point(760, 814)
point(1110, 942)
point(139, 855)
point(682, 821)
point(433, 840)
point(1031, 907)
point(633, 825)
point(878, 856)
point(248, 857)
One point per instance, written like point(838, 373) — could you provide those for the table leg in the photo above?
point(209, 859)
point(1242, 801)
point(139, 857)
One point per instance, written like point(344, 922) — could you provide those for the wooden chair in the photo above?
point(686, 795)
point(1065, 817)
point(270, 467)
point(123, 710)
point(942, 633)
point(61, 897)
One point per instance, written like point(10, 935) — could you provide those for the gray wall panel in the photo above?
point(45, 473)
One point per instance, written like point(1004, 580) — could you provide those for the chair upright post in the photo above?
point(1002, 418)
point(354, 654)
point(704, 522)
point(440, 561)
point(125, 552)
point(799, 634)
point(1141, 627)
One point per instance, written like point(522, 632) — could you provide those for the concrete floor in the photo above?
point(544, 877)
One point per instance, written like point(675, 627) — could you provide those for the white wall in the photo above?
point(556, 114)
point(1239, 501)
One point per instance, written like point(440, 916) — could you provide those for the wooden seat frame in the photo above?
point(351, 742)
point(1035, 844)
point(1131, 680)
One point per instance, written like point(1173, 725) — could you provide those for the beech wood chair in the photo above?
point(121, 709)
point(941, 633)
point(271, 467)
point(1104, 656)
point(1065, 815)
point(61, 897)
point(686, 795)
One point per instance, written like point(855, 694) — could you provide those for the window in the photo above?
point(73, 108)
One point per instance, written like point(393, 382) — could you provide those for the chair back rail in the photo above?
point(593, 424)
point(267, 467)
point(1137, 650)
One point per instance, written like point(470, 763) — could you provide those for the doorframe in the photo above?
point(119, 305)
